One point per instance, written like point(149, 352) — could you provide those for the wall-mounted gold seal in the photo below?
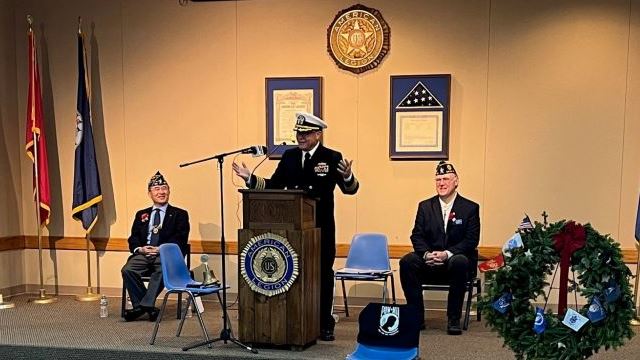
point(358, 38)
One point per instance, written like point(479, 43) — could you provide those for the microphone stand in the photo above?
point(225, 334)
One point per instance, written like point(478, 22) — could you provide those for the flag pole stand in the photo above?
point(6, 305)
point(42, 298)
point(636, 317)
point(89, 295)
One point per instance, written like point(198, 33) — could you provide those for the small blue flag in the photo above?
point(513, 243)
point(503, 303)
point(574, 320)
point(540, 323)
point(596, 312)
point(612, 293)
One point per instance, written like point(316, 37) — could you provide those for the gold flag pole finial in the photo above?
point(30, 21)
point(79, 24)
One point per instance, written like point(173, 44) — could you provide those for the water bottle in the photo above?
point(104, 307)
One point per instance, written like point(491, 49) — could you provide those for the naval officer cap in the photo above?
point(445, 168)
point(308, 122)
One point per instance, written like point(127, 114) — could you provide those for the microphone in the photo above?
point(256, 150)
point(266, 157)
point(208, 277)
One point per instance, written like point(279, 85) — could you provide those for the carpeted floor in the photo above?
point(73, 330)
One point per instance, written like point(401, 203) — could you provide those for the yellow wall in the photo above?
point(10, 139)
point(543, 112)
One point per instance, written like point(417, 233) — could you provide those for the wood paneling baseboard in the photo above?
point(210, 247)
point(11, 243)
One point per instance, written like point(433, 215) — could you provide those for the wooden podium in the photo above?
point(291, 318)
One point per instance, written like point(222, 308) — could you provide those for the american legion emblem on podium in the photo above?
point(358, 39)
point(269, 264)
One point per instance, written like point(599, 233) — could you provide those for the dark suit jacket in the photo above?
point(175, 228)
point(462, 235)
point(319, 179)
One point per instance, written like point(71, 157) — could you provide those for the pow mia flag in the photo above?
point(419, 98)
point(389, 325)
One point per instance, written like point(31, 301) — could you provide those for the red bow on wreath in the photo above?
point(571, 238)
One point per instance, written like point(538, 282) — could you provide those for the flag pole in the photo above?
point(89, 295)
point(636, 317)
point(42, 296)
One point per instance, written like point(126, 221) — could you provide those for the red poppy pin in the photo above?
point(144, 217)
point(452, 216)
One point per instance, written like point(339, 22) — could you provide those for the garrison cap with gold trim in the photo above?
point(445, 168)
point(308, 122)
point(157, 180)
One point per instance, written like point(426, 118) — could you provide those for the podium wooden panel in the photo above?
point(291, 318)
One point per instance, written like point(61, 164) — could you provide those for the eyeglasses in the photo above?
point(305, 133)
point(444, 179)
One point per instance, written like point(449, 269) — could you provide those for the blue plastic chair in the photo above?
point(368, 260)
point(402, 343)
point(176, 278)
point(368, 352)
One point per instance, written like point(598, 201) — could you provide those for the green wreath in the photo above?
point(595, 265)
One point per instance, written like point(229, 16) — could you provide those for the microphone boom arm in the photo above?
point(221, 156)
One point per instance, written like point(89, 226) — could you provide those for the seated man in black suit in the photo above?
point(444, 237)
point(153, 226)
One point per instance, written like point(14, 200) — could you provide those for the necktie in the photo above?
point(155, 228)
point(307, 157)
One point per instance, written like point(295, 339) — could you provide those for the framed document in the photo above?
point(284, 98)
point(419, 111)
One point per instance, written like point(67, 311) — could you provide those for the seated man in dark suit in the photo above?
point(153, 226)
point(444, 237)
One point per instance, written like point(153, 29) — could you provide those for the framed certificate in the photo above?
point(419, 111)
point(284, 98)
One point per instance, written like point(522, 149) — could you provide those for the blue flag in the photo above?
point(540, 323)
point(514, 242)
point(503, 303)
point(86, 182)
point(596, 312)
point(612, 293)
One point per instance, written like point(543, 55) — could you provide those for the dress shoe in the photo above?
point(453, 327)
point(327, 335)
point(423, 326)
point(153, 314)
point(130, 315)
